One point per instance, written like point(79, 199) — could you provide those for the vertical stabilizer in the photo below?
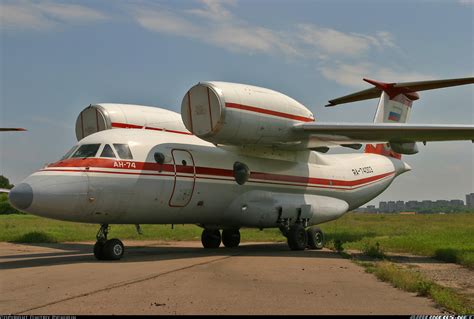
point(394, 107)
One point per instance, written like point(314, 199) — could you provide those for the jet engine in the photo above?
point(105, 116)
point(237, 114)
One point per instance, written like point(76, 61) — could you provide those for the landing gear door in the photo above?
point(184, 178)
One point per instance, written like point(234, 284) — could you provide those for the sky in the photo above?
point(57, 57)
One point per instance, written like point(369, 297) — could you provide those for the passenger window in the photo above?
point(123, 151)
point(107, 151)
point(69, 153)
point(87, 150)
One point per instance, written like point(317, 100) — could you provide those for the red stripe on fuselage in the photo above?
point(269, 112)
point(93, 164)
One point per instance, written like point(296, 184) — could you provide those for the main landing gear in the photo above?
point(300, 239)
point(104, 249)
point(211, 238)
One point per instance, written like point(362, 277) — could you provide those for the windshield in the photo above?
point(107, 151)
point(87, 150)
point(123, 151)
point(69, 152)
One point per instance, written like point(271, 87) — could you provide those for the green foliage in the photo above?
point(5, 183)
point(373, 251)
point(5, 207)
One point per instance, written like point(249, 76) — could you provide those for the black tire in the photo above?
point(98, 250)
point(297, 237)
point(113, 249)
point(315, 238)
point(211, 238)
point(231, 238)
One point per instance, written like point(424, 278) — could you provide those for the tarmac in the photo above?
point(183, 278)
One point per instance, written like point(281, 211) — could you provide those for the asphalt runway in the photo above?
point(184, 278)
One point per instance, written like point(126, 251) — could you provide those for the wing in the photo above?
point(4, 190)
point(7, 129)
point(332, 134)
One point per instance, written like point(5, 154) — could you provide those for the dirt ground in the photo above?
point(184, 278)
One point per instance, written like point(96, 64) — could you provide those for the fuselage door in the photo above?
point(184, 178)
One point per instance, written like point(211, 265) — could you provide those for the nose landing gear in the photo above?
point(104, 249)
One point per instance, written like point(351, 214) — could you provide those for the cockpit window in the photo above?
point(107, 151)
point(87, 150)
point(69, 152)
point(123, 151)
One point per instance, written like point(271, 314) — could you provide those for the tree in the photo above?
point(5, 183)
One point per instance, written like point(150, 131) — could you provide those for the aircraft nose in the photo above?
point(21, 196)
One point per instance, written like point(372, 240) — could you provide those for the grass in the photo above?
point(412, 281)
point(27, 228)
point(446, 237)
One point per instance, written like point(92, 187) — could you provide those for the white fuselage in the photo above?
point(195, 184)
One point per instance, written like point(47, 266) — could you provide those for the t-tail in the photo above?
point(394, 107)
point(396, 100)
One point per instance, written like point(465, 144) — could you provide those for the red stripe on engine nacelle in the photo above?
point(126, 125)
point(269, 112)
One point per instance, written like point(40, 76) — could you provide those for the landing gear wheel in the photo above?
point(98, 248)
point(297, 237)
point(231, 238)
point(113, 249)
point(211, 238)
point(315, 238)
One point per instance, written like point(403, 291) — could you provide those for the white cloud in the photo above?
point(33, 15)
point(331, 42)
point(352, 74)
point(342, 55)
point(214, 23)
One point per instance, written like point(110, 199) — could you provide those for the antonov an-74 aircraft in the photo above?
point(239, 156)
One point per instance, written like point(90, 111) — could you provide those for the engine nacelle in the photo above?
point(404, 148)
point(237, 114)
point(105, 116)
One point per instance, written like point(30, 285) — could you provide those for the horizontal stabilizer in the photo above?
point(406, 87)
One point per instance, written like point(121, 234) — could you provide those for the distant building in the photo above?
point(400, 206)
point(470, 200)
point(456, 203)
point(392, 206)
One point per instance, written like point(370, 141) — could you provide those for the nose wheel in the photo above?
point(107, 249)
